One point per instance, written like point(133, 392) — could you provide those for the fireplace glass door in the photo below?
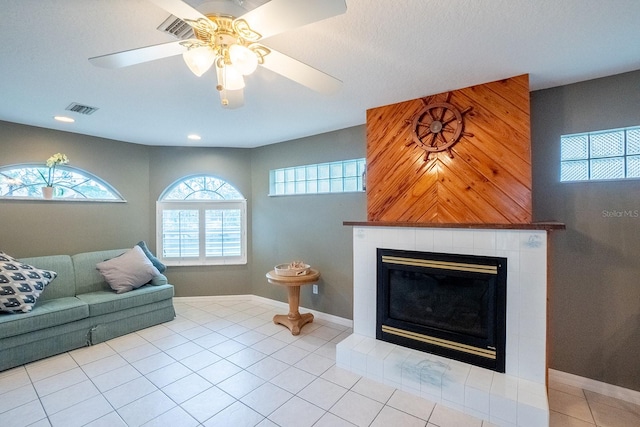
point(451, 305)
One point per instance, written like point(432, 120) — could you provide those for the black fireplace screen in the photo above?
point(452, 305)
point(459, 304)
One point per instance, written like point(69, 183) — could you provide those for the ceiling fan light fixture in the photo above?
point(243, 58)
point(199, 59)
point(229, 78)
point(232, 44)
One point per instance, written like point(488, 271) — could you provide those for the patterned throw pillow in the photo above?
point(21, 284)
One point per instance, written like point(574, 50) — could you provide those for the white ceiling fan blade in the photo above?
point(301, 73)
point(278, 16)
point(179, 9)
point(232, 99)
point(137, 56)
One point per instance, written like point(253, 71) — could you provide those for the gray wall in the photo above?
point(34, 228)
point(595, 294)
point(307, 228)
point(169, 164)
point(141, 173)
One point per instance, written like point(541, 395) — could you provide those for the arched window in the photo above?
point(25, 181)
point(201, 220)
point(201, 187)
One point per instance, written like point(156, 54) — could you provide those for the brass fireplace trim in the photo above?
point(489, 354)
point(443, 265)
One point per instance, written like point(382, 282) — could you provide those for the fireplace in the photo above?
point(517, 397)
point(450, 305)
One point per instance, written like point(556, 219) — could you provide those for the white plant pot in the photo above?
point(47, 193)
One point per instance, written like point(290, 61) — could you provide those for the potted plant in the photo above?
point(52, 162)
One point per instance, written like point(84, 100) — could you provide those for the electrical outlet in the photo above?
point(315, 289)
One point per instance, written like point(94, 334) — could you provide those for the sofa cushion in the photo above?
point(128, 271)
point(105, 302)
point(21, 284)
point(46, 314)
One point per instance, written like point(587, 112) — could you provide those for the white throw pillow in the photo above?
point(129, 271)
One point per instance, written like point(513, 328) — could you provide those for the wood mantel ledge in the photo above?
point(545, 225)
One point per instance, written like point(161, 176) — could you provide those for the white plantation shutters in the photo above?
point(205, 228)
point(223, 232)
point(180, 232)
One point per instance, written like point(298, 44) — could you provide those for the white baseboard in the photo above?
point(281, 305)
point(610, 390)
point(213, 298)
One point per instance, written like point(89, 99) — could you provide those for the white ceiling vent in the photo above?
point(177, 28)
point(81, 109)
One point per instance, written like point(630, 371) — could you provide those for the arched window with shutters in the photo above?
point(201, 220)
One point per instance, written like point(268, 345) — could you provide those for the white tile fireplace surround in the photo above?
point(515, 398)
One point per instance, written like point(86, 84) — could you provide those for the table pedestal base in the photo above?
point(294, 320)
point(294, 325)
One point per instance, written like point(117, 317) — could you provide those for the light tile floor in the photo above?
point(575, 407)
point(225, 363)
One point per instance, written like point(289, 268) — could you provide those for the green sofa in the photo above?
point(79, 309)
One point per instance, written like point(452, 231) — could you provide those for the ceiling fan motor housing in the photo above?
point(220, 35)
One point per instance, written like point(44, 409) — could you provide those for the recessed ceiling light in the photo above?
point(194, 137)
point(64, 119)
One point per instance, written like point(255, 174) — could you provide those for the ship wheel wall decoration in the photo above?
point(438, 127)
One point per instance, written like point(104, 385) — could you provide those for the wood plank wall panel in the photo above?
point(488, 180)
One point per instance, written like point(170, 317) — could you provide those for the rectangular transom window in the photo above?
point(202, 233)
point(335, 177)
point(609, 154)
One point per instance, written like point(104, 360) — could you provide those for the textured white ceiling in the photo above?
point(385, 51)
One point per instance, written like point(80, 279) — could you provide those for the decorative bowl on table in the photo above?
point(296, 268)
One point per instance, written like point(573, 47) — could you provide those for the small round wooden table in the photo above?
point(294, 320)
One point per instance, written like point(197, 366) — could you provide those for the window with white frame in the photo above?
point(335, 177)
point(609, 154)
point(201, 220)
point(25, 181)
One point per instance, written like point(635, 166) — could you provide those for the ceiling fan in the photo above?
point(230, 45)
